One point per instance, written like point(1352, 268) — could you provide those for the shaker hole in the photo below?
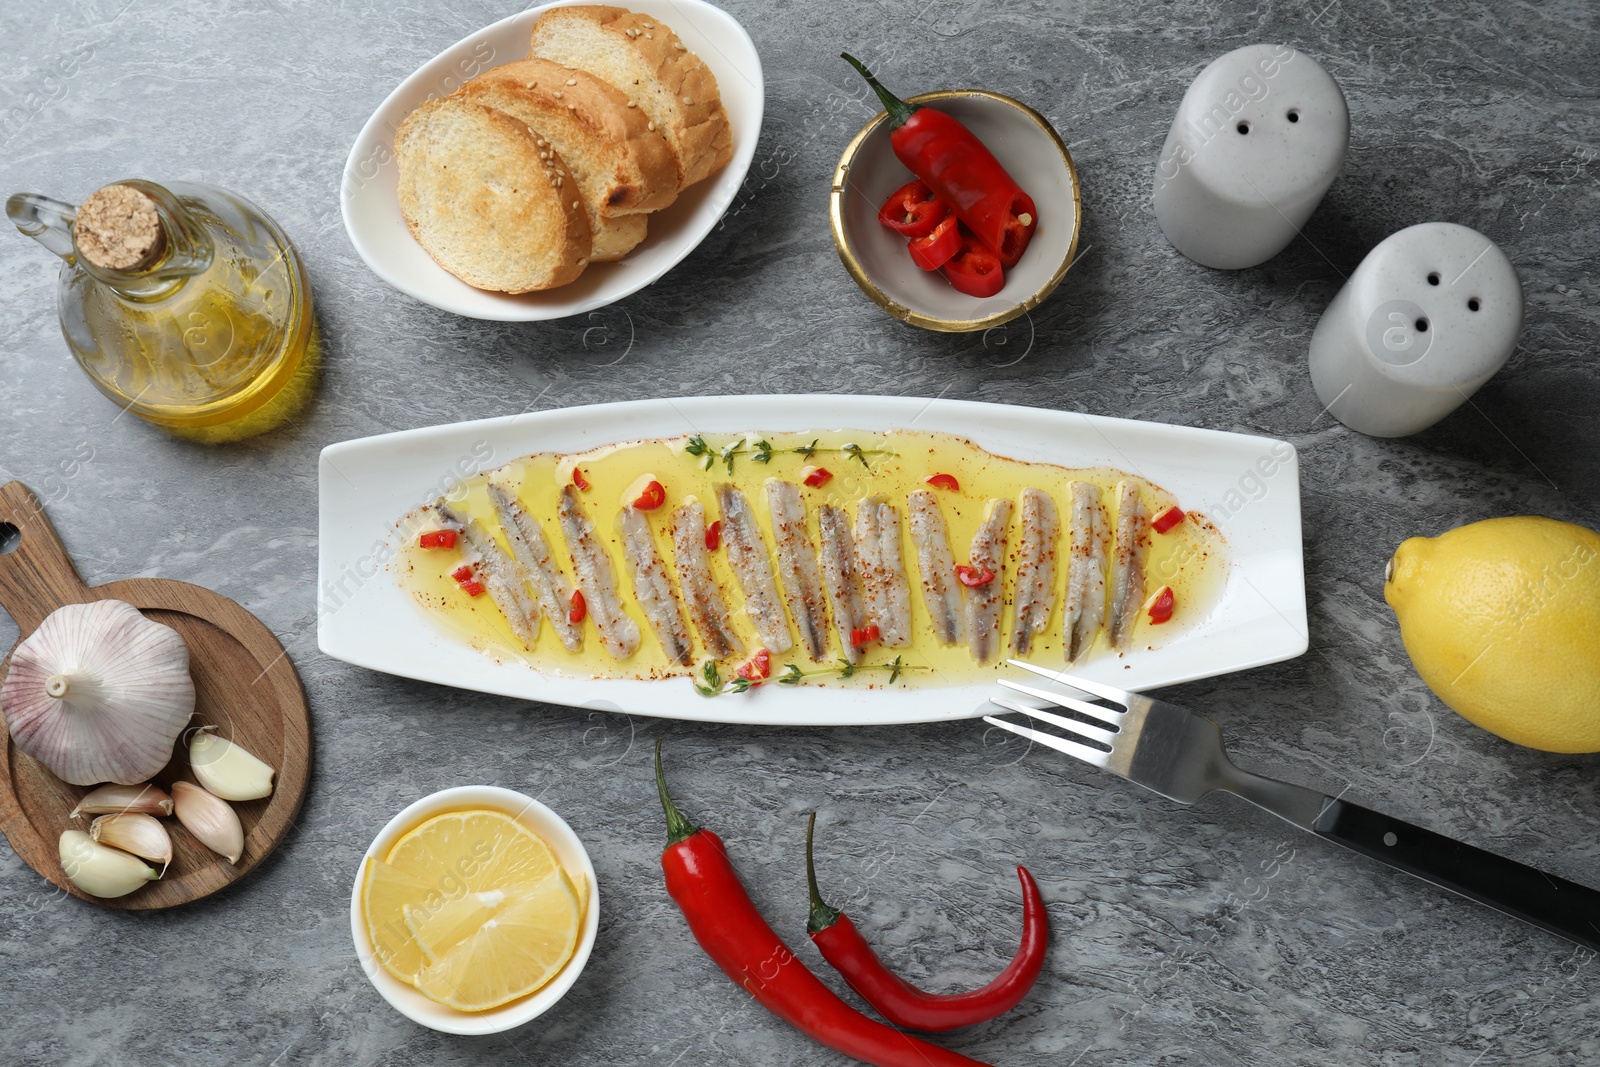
point(1473, 304)
point(1433, 278)
point(1294, 114)
point(1422, 325)
point(1243, 127)
point(10, 538)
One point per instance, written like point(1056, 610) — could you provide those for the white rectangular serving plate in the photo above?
point(1248, 486)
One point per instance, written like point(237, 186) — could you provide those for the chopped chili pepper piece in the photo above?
point(757, 667)
point(1167, 519)
point(462, 573)
point(961, 171)
point(472, 587)
point(934, 251)
point(946, 482)
point(912, 210)
point(975, 270)
point(973, 577)
point(713, 536)
point(1159, 607)
point(578, 479)
point(864, 635)
point(438, 539)
point(652, 497)
point(579, 609)
point(817, 476)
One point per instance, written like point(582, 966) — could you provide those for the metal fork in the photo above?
point(1174, 752)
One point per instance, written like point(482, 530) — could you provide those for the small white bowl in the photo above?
point(371, 205)
point(569, 852)
point(1031, 151)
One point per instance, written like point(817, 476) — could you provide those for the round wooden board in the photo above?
point(245, 685)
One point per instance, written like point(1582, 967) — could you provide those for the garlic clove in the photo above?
point(99, 693)
point(99, 870)
point(227, 769)
point(144, 799)
point(132, 832)
point(210, 819)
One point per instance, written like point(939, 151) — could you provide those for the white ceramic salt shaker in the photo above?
point(1429, 316)
point(1257, 140)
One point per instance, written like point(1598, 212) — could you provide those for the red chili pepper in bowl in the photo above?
point(963, 173)
point(902, 1003)
point(934, 251)
point(912, 210)
point(723, 919)
point(974, 269)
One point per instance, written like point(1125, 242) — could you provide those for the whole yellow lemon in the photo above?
point(1502, 620)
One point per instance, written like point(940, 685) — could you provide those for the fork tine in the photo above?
point(1099, 689)
point(1082, 729)
point(1088, 755)
point(1110, 716)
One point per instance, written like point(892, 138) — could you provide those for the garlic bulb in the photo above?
point(139, 834)
point(226, 769)
point(99, 870)
point(98, 693)
point(210, 819)
point(146, 799)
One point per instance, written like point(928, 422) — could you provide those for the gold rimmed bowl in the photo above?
point(1026, 145)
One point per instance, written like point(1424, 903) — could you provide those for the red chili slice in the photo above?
point(578, 479)
point(1159, 607)
point(1167, 519)
point(946, 482)
point(972, 577)
point(912, 210)
point(579, 609)
point(438, 539)
point(652, 497)
point(934, 250)
point(472, 587)
point(757, 667)
point(713, 536)
point(1017, 230)
point(864, 635)
point(975, 270)
point(462, 573)
point(818, 476)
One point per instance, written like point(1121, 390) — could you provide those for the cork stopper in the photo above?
point(118, 228)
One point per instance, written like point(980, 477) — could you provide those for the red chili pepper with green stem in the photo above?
point(961, 171)
point(701, 879)
point(902, 1003)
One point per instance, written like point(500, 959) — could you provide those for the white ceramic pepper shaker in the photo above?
point(1429, 316)
point(1257, 140)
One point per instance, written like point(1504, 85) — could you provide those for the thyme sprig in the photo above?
point(710, 683)
point(761, 451)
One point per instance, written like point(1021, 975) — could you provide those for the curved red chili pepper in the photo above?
point(912, 210)
point(961, 171)
point(701, 879)
point(902, 1003)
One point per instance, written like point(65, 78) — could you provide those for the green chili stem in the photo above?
point(822, 916)
point(899, 111)
point(678, 827)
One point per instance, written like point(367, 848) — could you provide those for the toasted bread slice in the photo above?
point(596, 134)
point(489, 199)
point(653, 68)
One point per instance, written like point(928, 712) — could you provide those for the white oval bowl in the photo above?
point(569, 852)
point(371, 205)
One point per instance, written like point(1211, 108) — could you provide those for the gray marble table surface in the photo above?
point(1212, 935)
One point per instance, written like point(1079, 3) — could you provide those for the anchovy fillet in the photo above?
point(501, 577)
point(706, 606)
point(1127, 564)
point(747, 555)
point(843, 576)
point(985, 601)
point(936, 565)
point(1086, 570)
point(797, 565)
point(883, 572)
point(538, 565)
point(597, 579)
point(1036, 567)
point(652, 588)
